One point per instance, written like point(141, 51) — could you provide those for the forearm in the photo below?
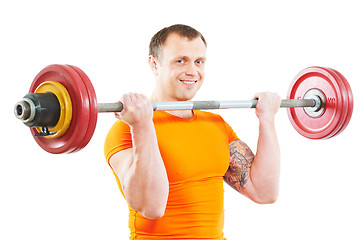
point(265, 171)
point(257, 176)
point(146, 183)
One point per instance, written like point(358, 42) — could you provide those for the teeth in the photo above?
point(189, 81)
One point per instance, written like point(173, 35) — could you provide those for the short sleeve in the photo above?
point(232, 136)
point(117, 139)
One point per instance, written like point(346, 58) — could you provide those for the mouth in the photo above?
point(189, 82)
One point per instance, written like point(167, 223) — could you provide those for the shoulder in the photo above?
point(118, 138)
point(119, 125)
point(118, 130)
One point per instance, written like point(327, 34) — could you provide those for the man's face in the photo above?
point(180, 70)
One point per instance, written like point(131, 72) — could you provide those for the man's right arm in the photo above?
point(140, 169)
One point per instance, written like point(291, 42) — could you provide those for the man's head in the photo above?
point(177, 56)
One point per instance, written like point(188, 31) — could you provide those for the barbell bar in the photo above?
point(61, 107)
point(32, 104)
point(203, 105)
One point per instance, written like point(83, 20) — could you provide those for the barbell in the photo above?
point(61, 107)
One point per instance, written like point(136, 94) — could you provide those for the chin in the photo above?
point(185, 98)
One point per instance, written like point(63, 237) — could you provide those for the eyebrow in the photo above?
point(186, 57)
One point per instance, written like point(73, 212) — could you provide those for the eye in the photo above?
point(180, 61)
point(199, 61)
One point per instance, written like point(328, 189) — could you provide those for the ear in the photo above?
point(154, 64)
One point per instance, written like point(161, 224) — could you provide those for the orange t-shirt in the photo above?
point(196, 156)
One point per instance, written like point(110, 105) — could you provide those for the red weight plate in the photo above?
point(330, 121)
point(344, 108)
point(83, 115)
point(349, 97)
point(80, 105)
point(93, 106)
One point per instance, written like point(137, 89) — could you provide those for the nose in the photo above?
point(192, 69)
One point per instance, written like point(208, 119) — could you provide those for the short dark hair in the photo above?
point(160, 37)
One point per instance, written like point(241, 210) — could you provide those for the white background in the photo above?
point(252, 46)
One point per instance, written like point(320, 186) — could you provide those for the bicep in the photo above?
point(238, 173)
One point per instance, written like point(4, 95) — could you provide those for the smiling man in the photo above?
point(170, 166)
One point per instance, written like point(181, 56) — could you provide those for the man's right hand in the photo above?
point(137, 109)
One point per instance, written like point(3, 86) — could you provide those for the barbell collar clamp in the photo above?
point(38, 110)
point(320, 103)
point(24, 110)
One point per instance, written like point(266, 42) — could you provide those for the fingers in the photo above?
point(133, 100)
point(136, 107)
point(268, 104)
point(266, 94)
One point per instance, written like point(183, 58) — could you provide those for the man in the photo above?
point(170, 166)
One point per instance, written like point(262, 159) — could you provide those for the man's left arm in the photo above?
point(257, 176)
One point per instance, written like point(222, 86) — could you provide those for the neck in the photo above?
point(187, 114)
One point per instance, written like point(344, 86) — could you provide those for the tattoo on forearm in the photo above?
point(241, 158)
